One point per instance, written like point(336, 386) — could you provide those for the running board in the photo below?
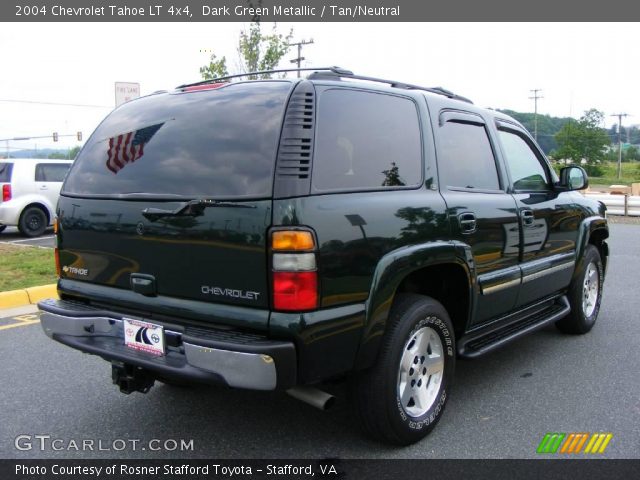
point(475, 345)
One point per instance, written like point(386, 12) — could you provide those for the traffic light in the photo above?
point(55, 136)
point(79, 136)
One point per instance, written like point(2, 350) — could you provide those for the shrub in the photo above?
point(593, 170)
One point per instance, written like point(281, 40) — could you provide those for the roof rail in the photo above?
point(393, 83)
point(335, 70)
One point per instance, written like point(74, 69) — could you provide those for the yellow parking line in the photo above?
point(29, 317)
point(20, 324)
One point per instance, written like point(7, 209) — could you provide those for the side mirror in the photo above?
point(573, 178)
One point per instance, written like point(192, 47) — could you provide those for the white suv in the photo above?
point(30, 190)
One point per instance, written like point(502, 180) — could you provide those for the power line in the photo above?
point(535, 115)
point(55, 103)
point(55, 137)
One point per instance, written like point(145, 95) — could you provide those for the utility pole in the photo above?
point(535, 114)
point(299, 58)
point(620, 115)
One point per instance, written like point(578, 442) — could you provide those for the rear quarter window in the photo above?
point(5, 172)
point(366, 140)
point(51, 172)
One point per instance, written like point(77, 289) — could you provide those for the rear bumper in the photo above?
point(9, 213)
point(197, 354)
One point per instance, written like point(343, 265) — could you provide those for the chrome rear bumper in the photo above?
point(257, 364)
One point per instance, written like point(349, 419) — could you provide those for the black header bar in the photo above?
point(316, 10)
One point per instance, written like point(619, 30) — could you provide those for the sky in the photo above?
point(577, 66)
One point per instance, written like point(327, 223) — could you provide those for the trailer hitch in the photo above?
point(130, 378)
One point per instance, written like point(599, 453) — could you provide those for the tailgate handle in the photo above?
point(143, 284)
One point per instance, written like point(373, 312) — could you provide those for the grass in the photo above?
point(609, 176)
point(630, 174)
point(22, 267)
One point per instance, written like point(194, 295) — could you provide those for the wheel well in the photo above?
point(41, 207)
point(447, 283)
point(597, 239)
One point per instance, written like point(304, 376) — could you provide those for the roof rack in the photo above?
point(333, 73)
point(392, 83)
point(335, 70)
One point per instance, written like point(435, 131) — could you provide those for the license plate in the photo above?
point(144, 336)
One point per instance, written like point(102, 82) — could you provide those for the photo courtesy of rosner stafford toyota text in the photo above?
point(288, 239)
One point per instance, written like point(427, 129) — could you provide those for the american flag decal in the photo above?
point(129, 147)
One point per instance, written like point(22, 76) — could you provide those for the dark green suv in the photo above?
point(275, 234)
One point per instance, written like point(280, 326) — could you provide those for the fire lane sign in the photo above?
point(126, 91)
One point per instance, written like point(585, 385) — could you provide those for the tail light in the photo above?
point(6, 192)
point(294, 270)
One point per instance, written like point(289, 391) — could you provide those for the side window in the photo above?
point(527, 173)
point(366, 140)
point(465, 157)
point(51, 172)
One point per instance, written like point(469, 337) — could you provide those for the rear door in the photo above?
point(48, 179)
point(549, 220)
point(177, 189)
point(482, 214)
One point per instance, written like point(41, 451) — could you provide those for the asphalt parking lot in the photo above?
point(11, 235)
point(501, 406)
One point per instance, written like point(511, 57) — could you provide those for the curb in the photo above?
point(27, 296)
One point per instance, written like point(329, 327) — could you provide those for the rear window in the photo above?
point(5, 172)
point(216, 143)
point(366, 140)
point(51, 172)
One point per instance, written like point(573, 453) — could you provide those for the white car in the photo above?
point(30, 190)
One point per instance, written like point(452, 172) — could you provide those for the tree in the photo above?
point(73, 153)
point(392, 177)
point(631, 153)
point(217, 68)
point(257, 52)
point(547, 127)
point(583, 139)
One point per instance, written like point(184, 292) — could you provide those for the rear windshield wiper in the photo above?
point(193, 208)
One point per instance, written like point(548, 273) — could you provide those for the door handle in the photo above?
point(527, 217)
point(468, 223)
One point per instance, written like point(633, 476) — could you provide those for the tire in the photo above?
point(33, 222)
point(384, 398)
point(585, 294)
point(2, 227)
